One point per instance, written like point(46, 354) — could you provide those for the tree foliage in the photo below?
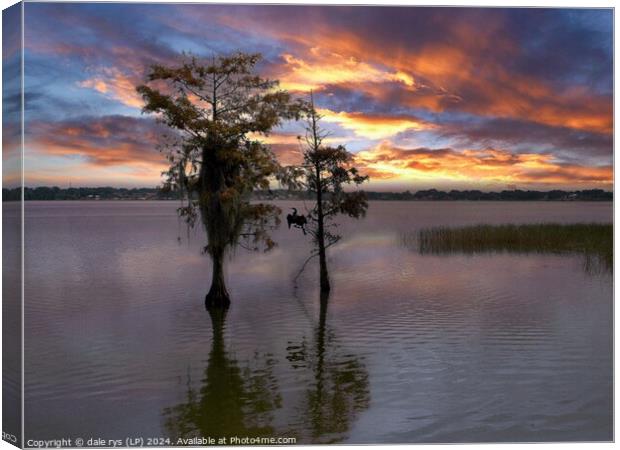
point(218, 109)
point(325, 173)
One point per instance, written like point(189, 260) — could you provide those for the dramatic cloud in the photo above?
point(535, 83)
point(463, 55)
point(115, 84)
point(109, 141)
point(488, 165)
point(565, 141)
point(331, 68)
point(373, 126)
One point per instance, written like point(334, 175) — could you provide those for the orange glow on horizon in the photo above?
point(490, 165)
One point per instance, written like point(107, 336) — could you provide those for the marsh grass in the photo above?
point(593, 241)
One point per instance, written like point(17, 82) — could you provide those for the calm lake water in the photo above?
point(409, 348)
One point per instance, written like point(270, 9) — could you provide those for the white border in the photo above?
point(479, 3)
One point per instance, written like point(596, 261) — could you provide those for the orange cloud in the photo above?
point(373, 126)
point(488, 165)
point(104, 144)
point(324, 68)
point(87, 174)
point(289, 147)
point(116, 85)
point(438, 76)
point(288, 154)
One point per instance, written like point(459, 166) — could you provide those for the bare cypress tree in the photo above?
point(324, 173)
point(217, 107)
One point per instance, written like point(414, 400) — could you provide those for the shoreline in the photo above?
point(108, 200)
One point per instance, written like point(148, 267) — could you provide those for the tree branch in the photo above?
point(304, 265)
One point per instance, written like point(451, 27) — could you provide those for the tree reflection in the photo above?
point(234, 399)
point(231, 400)
point(338, 387)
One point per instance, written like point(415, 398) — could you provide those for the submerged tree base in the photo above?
point(217, 298)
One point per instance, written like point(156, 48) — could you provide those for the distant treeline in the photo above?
point(473, 195)
point(515, 195)
point(88, 193)
point(111, 193)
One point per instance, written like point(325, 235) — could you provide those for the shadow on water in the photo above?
point(231, 401)
point(594, 242)
point(338, 388)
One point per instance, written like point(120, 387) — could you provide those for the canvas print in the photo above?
point(297, 224)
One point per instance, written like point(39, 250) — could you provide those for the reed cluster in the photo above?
point(593, 240)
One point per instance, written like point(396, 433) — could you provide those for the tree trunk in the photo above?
point(321, 225)
point(218, 294)
point(211, 179)
point(325, 287)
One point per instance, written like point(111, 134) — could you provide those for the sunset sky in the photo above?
point(451, 98)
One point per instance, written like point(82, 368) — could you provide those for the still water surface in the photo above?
point(408, 348)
